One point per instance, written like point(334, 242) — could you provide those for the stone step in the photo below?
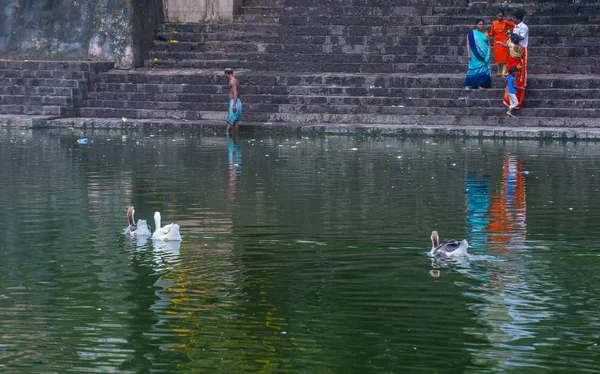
point(260, 10)
point(164, 78)
point(150, 96)
point(403, 9)
point(44, 74)
point(260, 18)
point(160, 48)
point(364, 40)
point(263, 3)
point(541, 24)
point(35, 65)
point(35, 91)
point(338, 65)
point(341, 113)
point(45, 88)
point(331, 103)
point(45, 110)
point(372, 87)
point(295, 94)
point(555, 63)
point(41, 82)
point(268, 93)
point(354, 15)
point(175, 29)
point(474, 125)
point(532, 22)
point(35, 100)
point(191, 79)
point(497, 110)
point(534, 10)
point(336, 4)
point(463, 120)
point(570, 30)
point(362, 10)
point(299, 19)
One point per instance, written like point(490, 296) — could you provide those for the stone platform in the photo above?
point(478, 131)
point(356, 64)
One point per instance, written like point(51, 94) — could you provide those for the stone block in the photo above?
point(12, 90)
point(12, 109)
point(35, 110)
point(50, 110)
point(264, 3)
point(15, 100)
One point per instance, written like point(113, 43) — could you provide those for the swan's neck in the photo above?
point(157, 220)
point(435, 240)
point(130, 213)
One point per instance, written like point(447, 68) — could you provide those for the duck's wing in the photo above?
point(166, 228)
point(461, 251)
point(173, 234)
point(160, 231)
point(129, 230)
point(447, 246)
point(167, 233)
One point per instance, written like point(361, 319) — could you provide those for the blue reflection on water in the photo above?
point(477, 193)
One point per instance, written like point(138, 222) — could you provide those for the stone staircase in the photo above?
point(357, 62)
point(46, 88)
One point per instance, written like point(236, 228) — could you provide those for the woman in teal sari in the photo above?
point(478, 53)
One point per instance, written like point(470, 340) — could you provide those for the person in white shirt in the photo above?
point(521, 28)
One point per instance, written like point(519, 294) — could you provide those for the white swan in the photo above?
point(140, 228)
point(165, 233)
point(449, 248)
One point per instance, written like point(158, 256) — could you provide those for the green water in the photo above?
point(301, 253)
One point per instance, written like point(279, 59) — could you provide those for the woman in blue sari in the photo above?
point(478, 53)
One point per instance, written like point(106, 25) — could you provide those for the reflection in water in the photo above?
point(500, 218)
point(512, 306)
point(165, 254)
point(514, 310)
point(199, 310)
point(477, 194)
point(234, 155)
point(507, 212)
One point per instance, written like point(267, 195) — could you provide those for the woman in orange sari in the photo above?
point(517, 56)
point(500, 28)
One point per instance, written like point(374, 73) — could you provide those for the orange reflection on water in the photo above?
point(507, 225)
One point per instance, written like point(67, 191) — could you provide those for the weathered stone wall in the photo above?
point(107, 30)
point(148, 15)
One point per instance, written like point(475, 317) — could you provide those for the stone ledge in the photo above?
point(26, 121)
point(97, 66)
point(574, 133)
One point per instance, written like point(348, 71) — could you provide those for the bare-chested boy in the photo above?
point(235, 101)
